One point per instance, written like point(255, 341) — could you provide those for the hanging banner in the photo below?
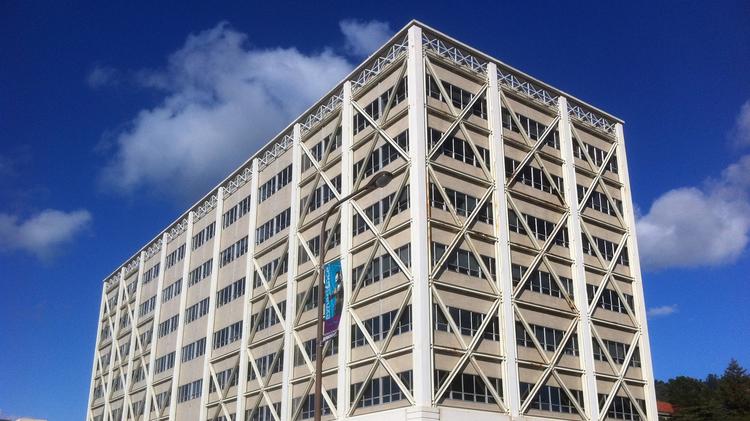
point(333, 300)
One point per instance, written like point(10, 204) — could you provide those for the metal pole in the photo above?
point(379, 180)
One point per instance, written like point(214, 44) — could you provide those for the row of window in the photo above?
point(268, 316)
point(382, 156)
point(458, 149)
point(311, 350)
point(165, 362)
point(308, 406)
point(622, 408)
point(269, 269)
point(190, 391)
point(171, 291)
point(147, 306)
point(541, 228)
point(146, 337)
point(203, 236)
point(379, 210)
point(276, 183)
point(151, 274)
point(177, 255)
point(168, 326)
point(533, 128)
point(532, 176)
point(238, 211)
point(596, 154)
point(609, 300)
point(598, 201)
point(606, 248)
point(197, 310)
point(273, 226)
point(459, 97)
point(552, 398)
point(382, 266)
point(319, 148)
point(379, 326)
point(541, 281)
point(376, 108)
point(224, 377)
point(321, 195)
point(229, 254)
point(463, 261)
point(266, 365)
point(618, 351)
point(467, 321)
point(382, 390)
point(464, 204)
point(549, 338)
point(231, 292)
point(333, 240)
point(469, 387)
point(227, 335)
point(201, 272)
point(193, 350)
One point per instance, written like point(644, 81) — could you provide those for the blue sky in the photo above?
point(81, 86)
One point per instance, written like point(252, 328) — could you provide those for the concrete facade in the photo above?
point(496, 277)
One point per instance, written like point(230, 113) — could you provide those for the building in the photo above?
point(496, 277)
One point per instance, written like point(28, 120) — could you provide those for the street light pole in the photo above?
point(380, 179)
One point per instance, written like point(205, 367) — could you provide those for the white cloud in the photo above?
point(363, 38)
point(44, 233)
point(741, 131)
point(699, 226)
point(662, 310)
point(222, 99)
point(101, 76)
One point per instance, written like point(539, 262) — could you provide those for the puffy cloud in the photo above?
point(699, 226)
point(363, 38)
point(662, 310)
point(44, 233)
point(741, 131)
point(221, 100)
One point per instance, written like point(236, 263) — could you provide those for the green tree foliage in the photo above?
point(715, 398)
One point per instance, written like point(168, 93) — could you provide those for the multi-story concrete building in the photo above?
point(496, 277)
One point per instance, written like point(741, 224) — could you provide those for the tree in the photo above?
point(734, 390)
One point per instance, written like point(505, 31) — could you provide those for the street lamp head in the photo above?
point(380, 180)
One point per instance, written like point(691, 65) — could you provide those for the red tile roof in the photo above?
point(662, 406)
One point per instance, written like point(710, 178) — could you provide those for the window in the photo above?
point(238, 211)
point(264, 413)
point(162, 399)
point(376, 108)
point(176, 256)
point(379, 326)
point(233, 252)
point(458, 149)
point(308, 406)
point(541, 282)
point(228, 335)
point(168, 326)
point(549, 338)
point(379, 210)
point(382, 390)
point(276, 183)
point(617, 350)
point(551, 398)
point(467, 321)
point(382, 156)
point(200, 273)
point(462, 203)
point(197, 310)
point(171, 291)
point(193, 350)
point(204, 235)
point(319, 148)
point(541, 228)
point(230, 292)
point(189, 391)
point(597, 155)
point(460, 98)
point(266, 365)
point(269, 269)
point(164, 362)
point(228, 376)
point(469, 387)
point(314, 244)
point(622, 408)
point(463, 261)
point(273, 226)
point(598, 201)
point(382, 267)
point(311, 350)
point(146, 337)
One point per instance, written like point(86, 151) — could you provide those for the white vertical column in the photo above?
point(155, 325)
point(218, 212)
point(134, 333)
point(511, 391)
point(89, 416)
point(291, 283)
point(578, 270)
point(420, 267)
point(347, 178)
point(181, 311)
point(635, 271)
point(115, 348)
point(247, 306)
